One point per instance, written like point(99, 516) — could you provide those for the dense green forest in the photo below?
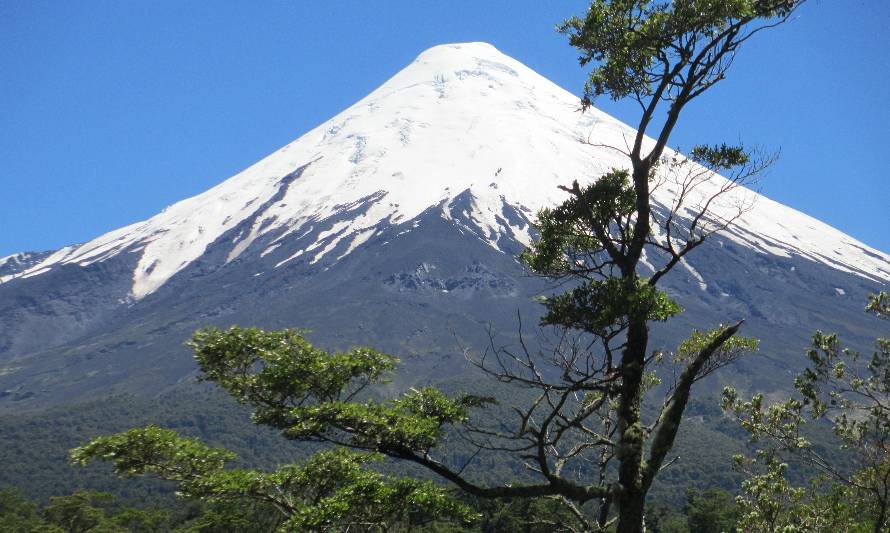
point(34, 449)
point(706, 511)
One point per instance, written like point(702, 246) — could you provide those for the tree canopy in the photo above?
point(848, 391)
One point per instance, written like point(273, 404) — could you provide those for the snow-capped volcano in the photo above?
point(462, 119)
point(396, 224)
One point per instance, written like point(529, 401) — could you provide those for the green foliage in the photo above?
point(415, 421)
point(247, 517)
point(18, 514)
point(705, 511)
point(154, 450)
point(573, 238)
point(97, 512)
point(628, 39)
point(719, 157)
point(37, 444)
point(526, 515)
point(291, 371)
point(330, 491)
point(579, 227)
point(660, 519)
point(599, 305)
point(144, 520)
point(310, 394)
point(80, 512)
point(770, 503)
point(34, 446)
point(879, 304)
point(727, 351)
point(13, 503)
point(850, 394)
point(711, 511)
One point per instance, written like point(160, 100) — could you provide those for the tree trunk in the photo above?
point(882, 517)
point(630, 511)
point(632, 497)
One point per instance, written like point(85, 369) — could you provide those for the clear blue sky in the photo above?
point(112, 110)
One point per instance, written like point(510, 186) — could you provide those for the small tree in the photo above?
point(17, 514)
point(852, 393)
point(705, 511)
point(587, 391)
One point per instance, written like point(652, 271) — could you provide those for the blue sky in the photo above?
point(112, 110)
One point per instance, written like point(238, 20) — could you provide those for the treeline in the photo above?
point(34, 447)
point(100, 512)
point(708, 511)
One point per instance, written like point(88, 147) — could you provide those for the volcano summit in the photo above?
point(396, 223)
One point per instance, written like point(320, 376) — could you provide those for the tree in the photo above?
point(705, 511)
point(98, 512)
point(852, 394)
point(81, 512)
point(331, 491)
point(710, 511)
point(18, 514)
point(583, 423)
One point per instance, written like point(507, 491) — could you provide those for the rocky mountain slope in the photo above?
point(396, 223)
